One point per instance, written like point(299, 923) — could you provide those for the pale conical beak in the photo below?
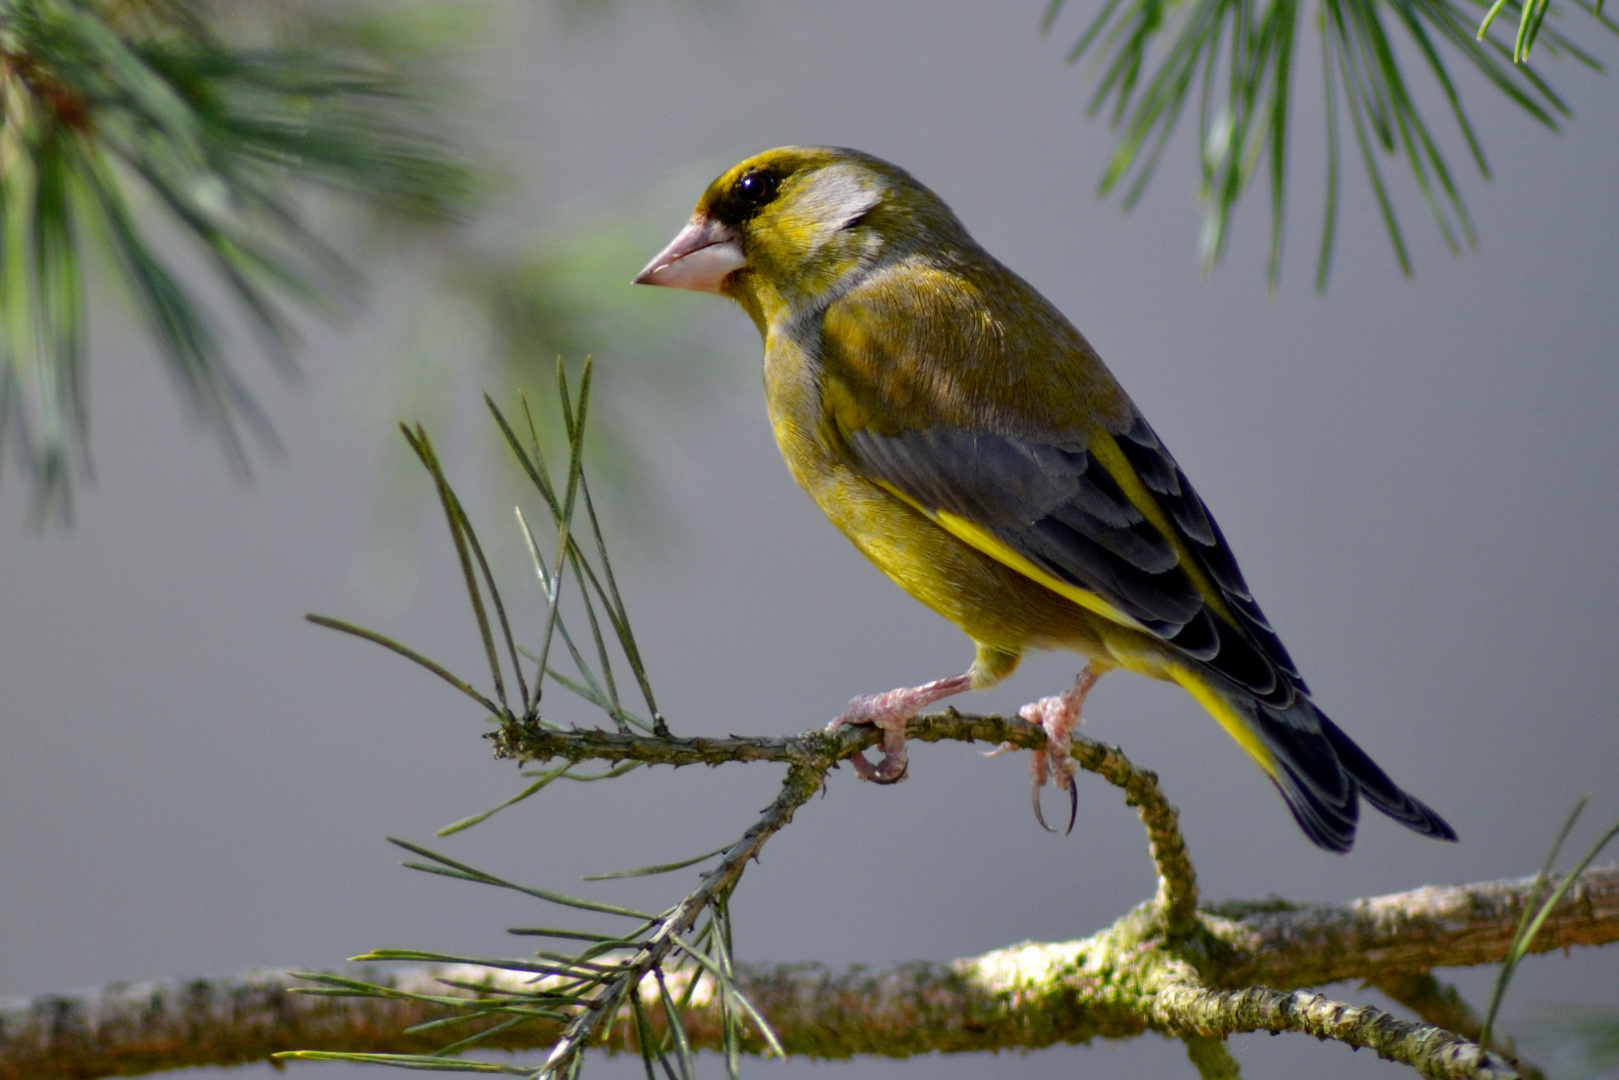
point(700, 257)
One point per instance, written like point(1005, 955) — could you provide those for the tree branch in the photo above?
point(1116, 984)
point(1441, 1005)
point(1433, 1051)
point(822, 750)
point(799, 787)
point(1211, 1058)
point(1291, 946)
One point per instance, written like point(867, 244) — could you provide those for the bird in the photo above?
point(969, 441)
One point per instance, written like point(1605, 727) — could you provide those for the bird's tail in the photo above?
point(1318, 769)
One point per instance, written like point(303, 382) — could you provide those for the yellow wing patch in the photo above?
point(985, 541)
point(1195, 684)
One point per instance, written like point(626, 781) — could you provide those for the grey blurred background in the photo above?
point(1418, 477)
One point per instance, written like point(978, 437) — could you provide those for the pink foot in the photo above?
point(1059, 716)
point(890, 712)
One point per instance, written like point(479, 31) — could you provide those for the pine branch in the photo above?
point(1022, 998)
point(115, 118)
point(1231, 63)
point(1442, 1006)
point(822, 750)
point(1439, 926)
point(1434, 1052)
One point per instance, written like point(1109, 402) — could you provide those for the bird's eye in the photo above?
point(754, 189)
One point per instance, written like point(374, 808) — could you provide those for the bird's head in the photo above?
point(783, 230)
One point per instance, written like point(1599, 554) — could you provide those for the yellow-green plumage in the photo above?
point(971, 443)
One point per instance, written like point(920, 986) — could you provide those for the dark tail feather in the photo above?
point(1327, 826)
point(1321, 772)
point(1382, 792)
point(1323, 799)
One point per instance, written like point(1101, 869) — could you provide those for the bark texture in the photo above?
point(1242, 968)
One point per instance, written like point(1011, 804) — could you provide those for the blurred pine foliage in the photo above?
point(133, 130)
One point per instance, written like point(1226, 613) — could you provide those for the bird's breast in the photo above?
point(792, 371)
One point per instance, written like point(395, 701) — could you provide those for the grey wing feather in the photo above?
point(1054, 504)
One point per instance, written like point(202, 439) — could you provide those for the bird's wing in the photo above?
point(1115, 526)
point(1009, 433)
point(961, 390)
point(1110, 522)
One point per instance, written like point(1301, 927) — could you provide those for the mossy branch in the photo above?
point(1025, 997)
point(1441, 1005)
point(1165, 967)
point(822, 751)
point(1410, 933)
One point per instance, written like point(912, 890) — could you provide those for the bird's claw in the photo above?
point(1073, 808)
point(890, 712)
point(884, 772)
point(879, 711)
point(1058, 716)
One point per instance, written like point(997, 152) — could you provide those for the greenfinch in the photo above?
point(970, 442)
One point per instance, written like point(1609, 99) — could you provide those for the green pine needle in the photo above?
point(103, 108)
point(1232, 60)
point(1536, 911)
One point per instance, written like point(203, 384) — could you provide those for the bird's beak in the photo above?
point(700, 257)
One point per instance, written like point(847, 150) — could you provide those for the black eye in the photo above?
point(754, 189)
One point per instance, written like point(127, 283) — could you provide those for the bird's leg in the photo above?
point(1059, 716)
point(889, 712)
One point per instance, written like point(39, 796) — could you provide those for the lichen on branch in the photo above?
point(1165, 967)
point(1025, 997)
